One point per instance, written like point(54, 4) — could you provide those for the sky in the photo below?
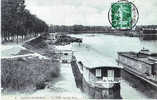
point(87, 12)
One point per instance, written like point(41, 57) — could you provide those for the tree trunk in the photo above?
point(8, 36)
point(17, 38)
point(5, 36)
point(13, 37)
point(22, 37)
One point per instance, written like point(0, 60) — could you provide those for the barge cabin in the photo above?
point(143, 64)
point(100, 79)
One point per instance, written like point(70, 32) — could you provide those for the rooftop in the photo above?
point(93, 60)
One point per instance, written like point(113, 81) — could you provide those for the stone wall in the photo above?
point(77, 74)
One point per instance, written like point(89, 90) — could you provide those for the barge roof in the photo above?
point(92, 60)
point(147, 58)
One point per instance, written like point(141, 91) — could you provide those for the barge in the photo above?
point(98, 78)
point(142, 64)
point(148, 34)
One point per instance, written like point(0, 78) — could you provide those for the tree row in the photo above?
point(18, 22)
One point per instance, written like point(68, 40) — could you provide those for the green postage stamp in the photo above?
point(121, 15)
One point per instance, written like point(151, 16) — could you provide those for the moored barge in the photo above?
point(142, 64)
point(148, 34)
point(97, 78)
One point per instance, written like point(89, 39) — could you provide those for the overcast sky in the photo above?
point(86, 12)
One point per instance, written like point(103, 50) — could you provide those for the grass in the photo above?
point(28, 72)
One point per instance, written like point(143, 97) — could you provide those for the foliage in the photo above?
point(16, 20)
point(94, 29)
point(24, 73)
point(78, 28)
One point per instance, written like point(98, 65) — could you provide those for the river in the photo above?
point(107, 46)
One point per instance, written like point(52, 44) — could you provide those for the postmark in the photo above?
point(123, 15)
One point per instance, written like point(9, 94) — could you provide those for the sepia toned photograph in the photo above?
point(78, 49)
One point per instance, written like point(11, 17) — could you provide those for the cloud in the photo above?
point(86, 12)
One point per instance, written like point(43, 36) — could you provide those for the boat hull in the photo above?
point(138, 83)
point(101, 93)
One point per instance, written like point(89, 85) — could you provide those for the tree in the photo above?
point(18, 21)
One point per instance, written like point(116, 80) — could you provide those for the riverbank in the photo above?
point(34, 65)
point(62, 87)
point(31, 68)
point(37, 65)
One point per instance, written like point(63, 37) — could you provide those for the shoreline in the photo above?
point(32, 67)
point(118, 33)
point(39, 57)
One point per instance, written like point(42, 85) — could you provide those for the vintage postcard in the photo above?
point(78, 49)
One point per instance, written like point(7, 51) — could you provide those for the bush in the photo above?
point(22, 73)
